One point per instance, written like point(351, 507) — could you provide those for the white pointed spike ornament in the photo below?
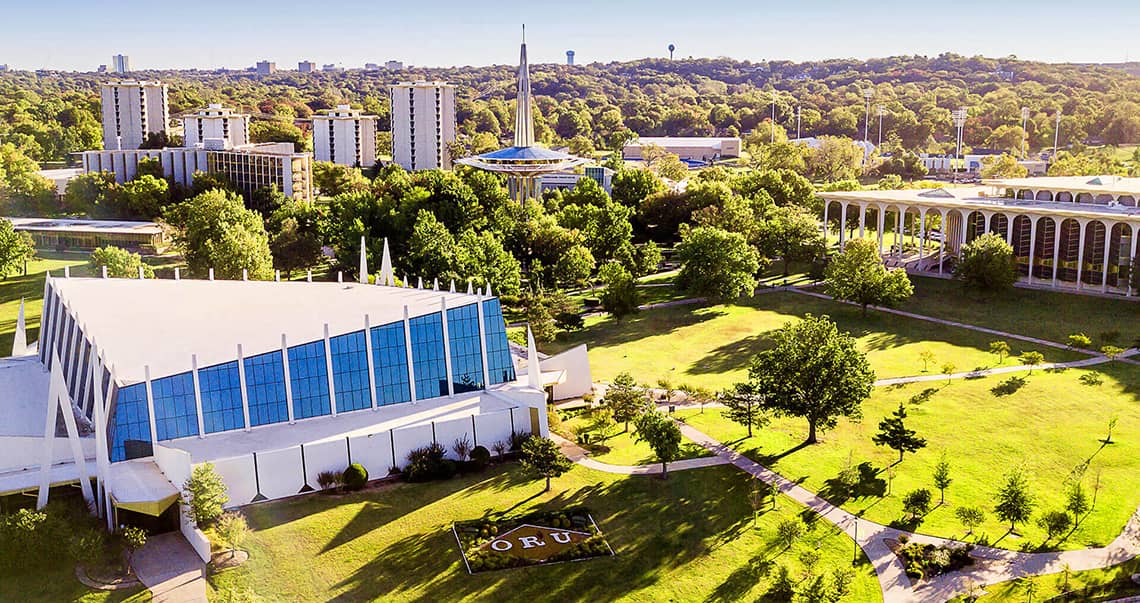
point(363, 262)
point(533, 370)
point(419, 282)
point(469, 291)
point(435, 285)
point(489, 290)
point(386, 267)
point(20, 341)
point(453, 285)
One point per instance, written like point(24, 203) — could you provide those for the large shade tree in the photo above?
point(717, 263)
point(814, 372)
point(858, 275)
point(987, 264)
point(215, 230)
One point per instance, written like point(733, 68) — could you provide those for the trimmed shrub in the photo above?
point(355, 477)
point(517, 439)
point(480, 457)
point(428, 463)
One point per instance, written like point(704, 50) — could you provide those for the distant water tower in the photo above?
point(671, 49)
point(569, 57)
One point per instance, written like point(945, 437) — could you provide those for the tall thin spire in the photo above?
point(20, 340)
point(524, 122)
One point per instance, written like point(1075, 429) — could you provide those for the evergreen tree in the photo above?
point(893, 433)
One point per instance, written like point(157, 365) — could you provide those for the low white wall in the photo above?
point(23, 452)
point(197, 540)
point(279, 473)
point(576, 363)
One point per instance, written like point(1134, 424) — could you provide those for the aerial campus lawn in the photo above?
point(1106, 584)
point(688, 538)
point(711, 346)
point(623, 448)
point(1048, 426)
point(31, 288)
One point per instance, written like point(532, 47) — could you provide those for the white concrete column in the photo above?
point(1081, 255)
point(244, 393)
point(329, 371)
point(408, 348)
point(47, 452)
point(922, 235)
point(285, 373)
point(1056, 251)
point(825, 204)
point(882, 226)
point(1008, 230)
point(862, 218)
point(942, 243)
point(198, 396)
point(842, 224)
point(483, 341)
point(150, 408)
point(371, 369)
point(899, 238)
point(446, 346)
point(1032, 245)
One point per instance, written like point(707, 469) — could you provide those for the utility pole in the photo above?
point(773, 118)
point(798, 110)
point(867, 94)
point(882, 112)
point(959, 118)
point(1056, 134)
point(1024, 133)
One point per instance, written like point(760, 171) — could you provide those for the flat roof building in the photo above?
point(266, 68)
point(131, 111)
point(86, 235)
point(271, 382)
point(306, 66)
point(250, 167)
point(346, 136)
point(1077, 232)
point(705, 149)
point(423, 124)
point(217, 123)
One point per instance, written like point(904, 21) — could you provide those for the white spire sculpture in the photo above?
point(453, 285)
point(419, 282)
point(533, 371)
point(20, 341)
point(469, 290)
point(386, 267)
point(489, 289)
point(363, 262)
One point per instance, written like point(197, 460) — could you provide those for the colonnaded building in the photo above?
point(134, 382)
point(1074, 232)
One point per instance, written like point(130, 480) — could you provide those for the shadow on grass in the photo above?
point(611, 333)
point(869, 485)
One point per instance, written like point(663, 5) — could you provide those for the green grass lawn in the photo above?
point(689, 538)
point(31, 288)
point(711, 346)
point(1043, 314)
point(1093, 585)
point(624, 448)
point(60, 584)
point(1048, 426)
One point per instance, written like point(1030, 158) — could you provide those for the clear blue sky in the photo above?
point(81, 34)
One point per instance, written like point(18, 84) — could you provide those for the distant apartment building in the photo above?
point(371, 67)
point(266, 68)
point(394, 65)
point(569, 57)
point(331, 67)
point(345, 136)
point(131, 111)
point(121, 63)
point(306, 66)
point(250, 167)
point(216, 123)
point(423, 124)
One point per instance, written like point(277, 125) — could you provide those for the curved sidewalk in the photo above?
point(580, 456)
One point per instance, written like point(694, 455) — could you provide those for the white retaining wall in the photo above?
point(175, 465)
point(281, 473)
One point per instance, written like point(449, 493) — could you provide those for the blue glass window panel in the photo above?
point(466, 349)
point(428, 356)
point(130, 422)
point(175, 411)
point(350, 371)
point(265, 389)
point(390, 362)
point(500, 367)
point(64, 341)
point(45, 320)
point(221, 398)
point(309, 379)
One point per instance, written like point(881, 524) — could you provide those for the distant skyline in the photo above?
point(209, 34)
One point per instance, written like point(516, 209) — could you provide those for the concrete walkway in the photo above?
point(580, 456)
point(170, 568)
point(994, 565)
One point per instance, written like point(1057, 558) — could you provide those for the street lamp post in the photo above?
point(798, 111)
point(1024, 133)
point(855, 556)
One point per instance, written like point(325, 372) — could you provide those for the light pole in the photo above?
point(882, 112)
point(798, 110)
point(959, 117)
point(867, 94)
point(1024, 133)
point(855, 556)
point(773, 139)
point(1056, 134)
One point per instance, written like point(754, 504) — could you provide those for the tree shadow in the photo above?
point(732, 355)
point(1009, 387)
point(869, 485)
